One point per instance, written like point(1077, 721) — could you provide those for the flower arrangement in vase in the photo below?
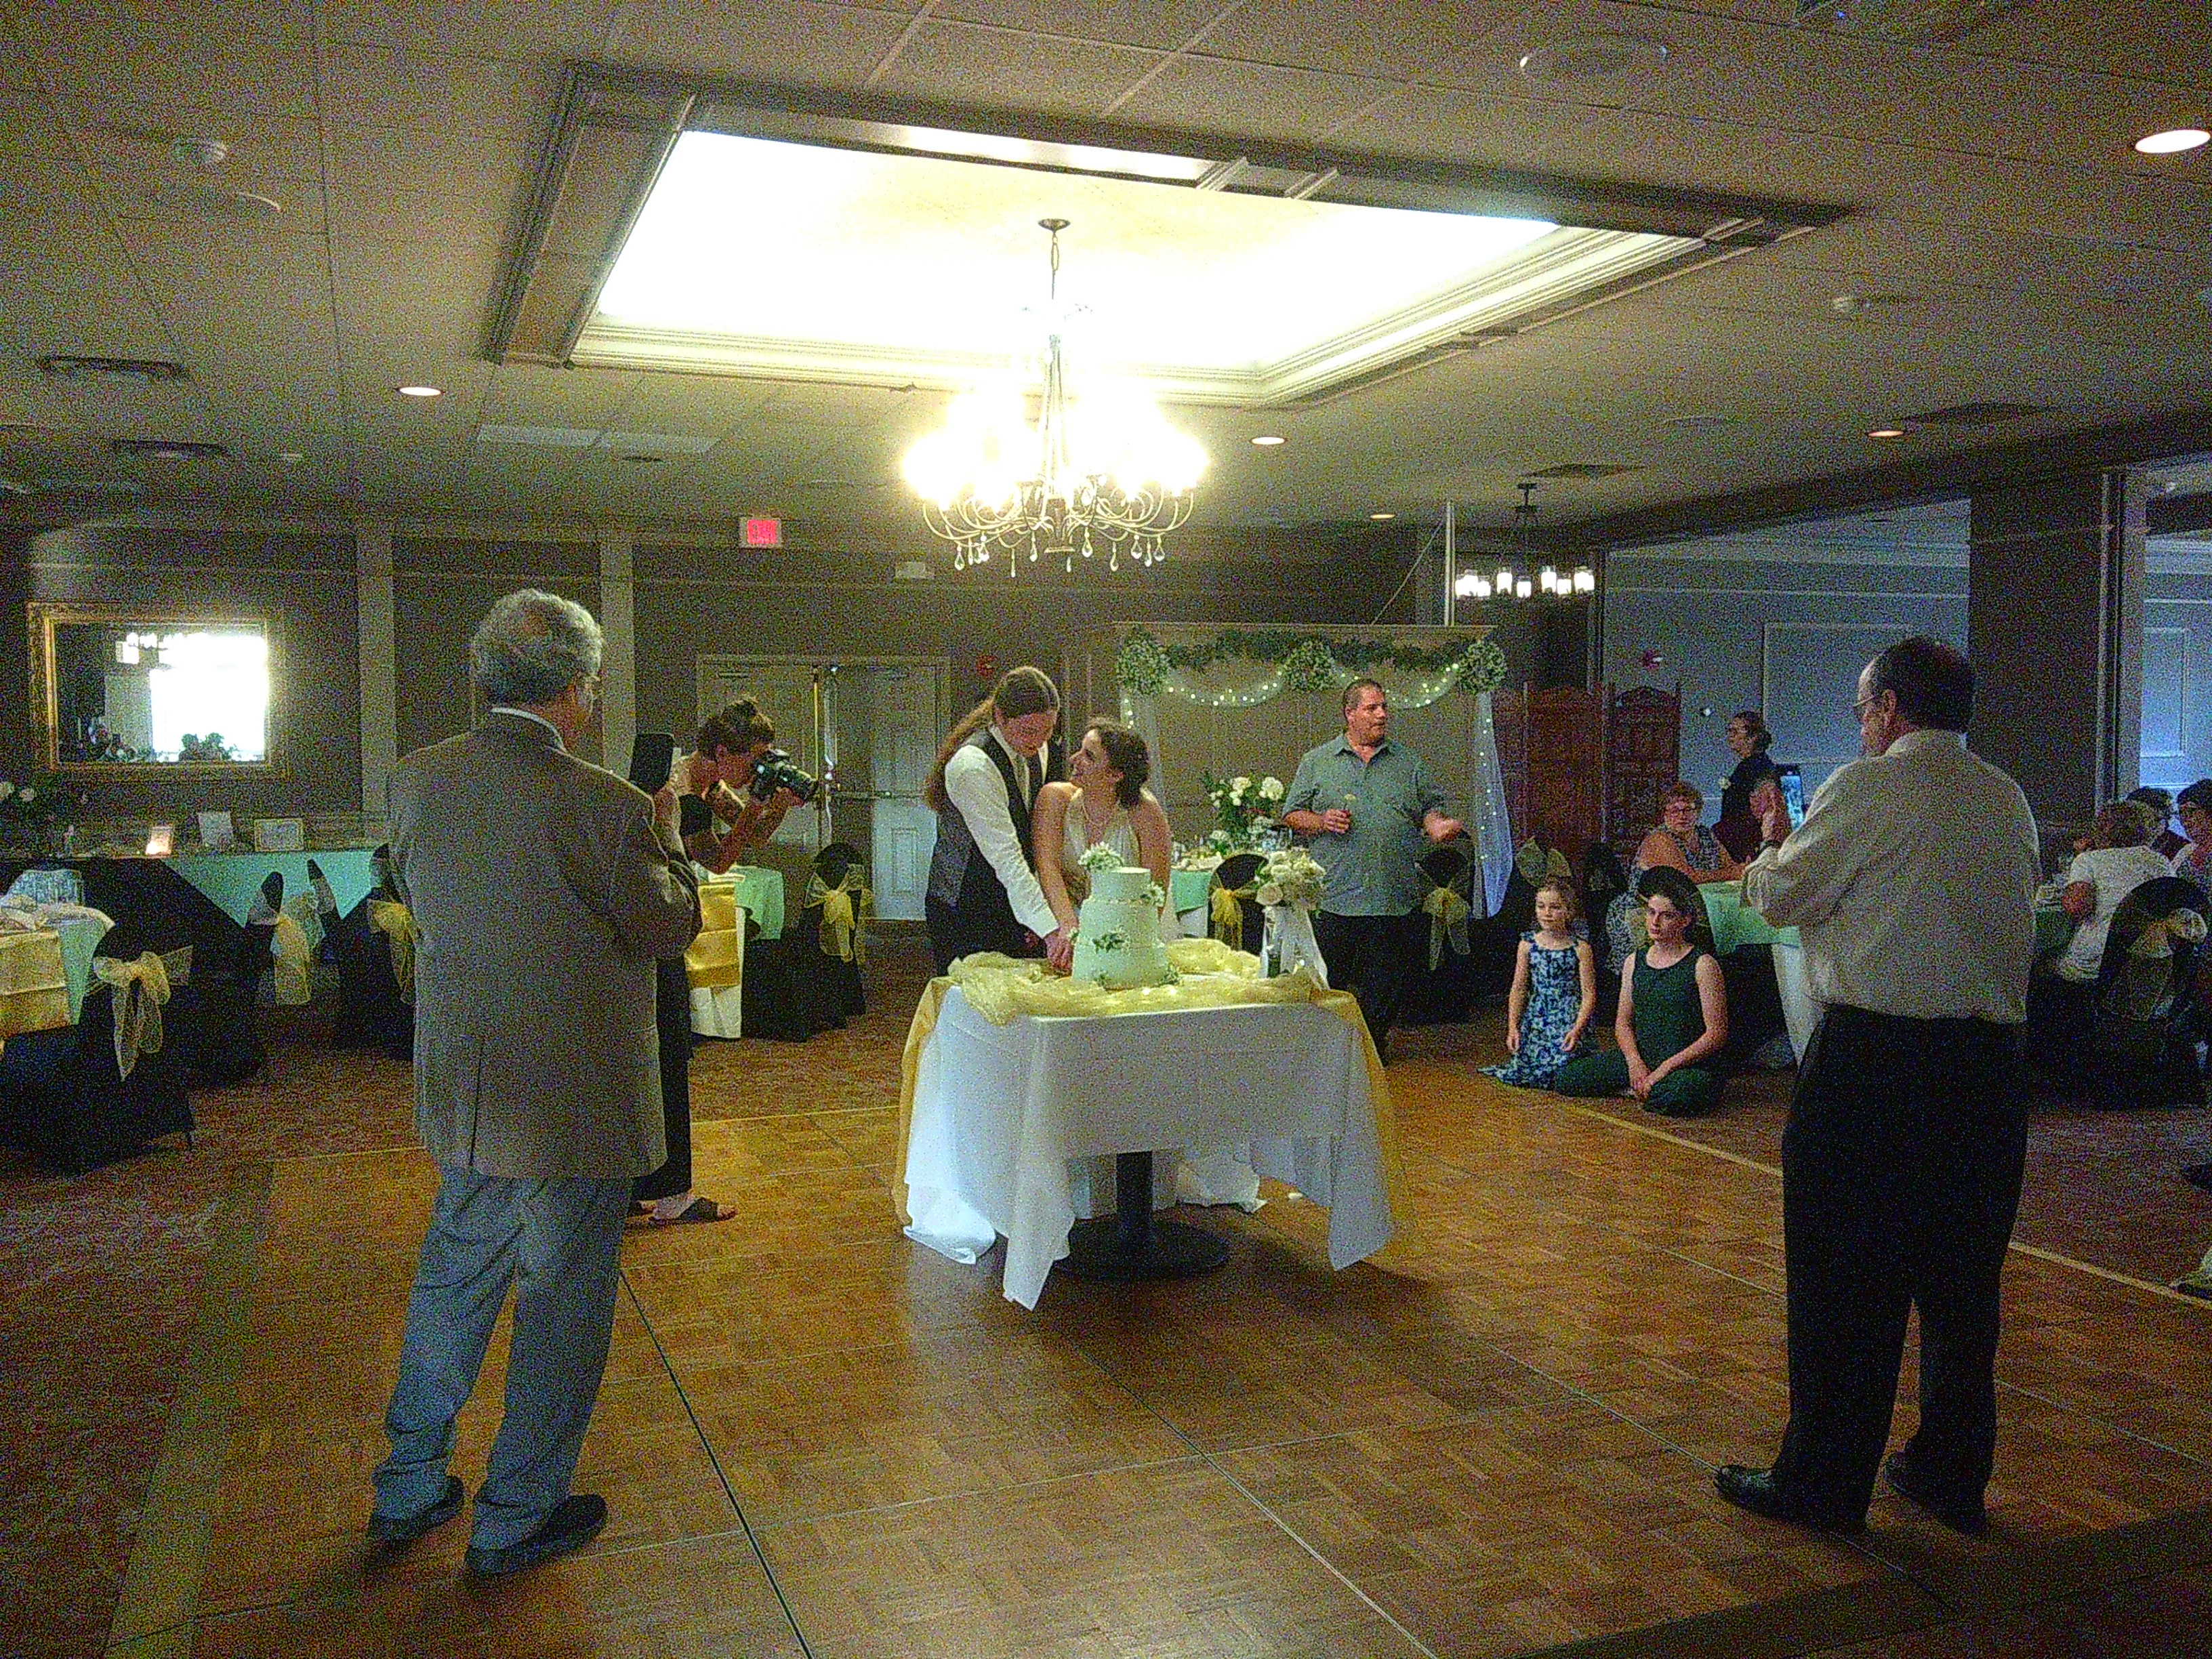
point(1241, 806)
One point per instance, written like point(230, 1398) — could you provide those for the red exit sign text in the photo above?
point(760, 532)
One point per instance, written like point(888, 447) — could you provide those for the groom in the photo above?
point(1367, 804)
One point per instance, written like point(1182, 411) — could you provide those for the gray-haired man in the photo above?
point(543, 889)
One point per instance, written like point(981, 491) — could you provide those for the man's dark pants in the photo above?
point(1900, 1177)
point(1371, 957)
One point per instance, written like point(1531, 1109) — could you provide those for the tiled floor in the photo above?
point(820, 1439)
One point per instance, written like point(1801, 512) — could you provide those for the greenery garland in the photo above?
point(1307, 662)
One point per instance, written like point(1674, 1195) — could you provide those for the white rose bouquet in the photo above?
point(1289, 878)
point(1101, 857)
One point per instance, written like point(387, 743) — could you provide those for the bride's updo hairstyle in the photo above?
point(1126, 753)
point(1020, 691)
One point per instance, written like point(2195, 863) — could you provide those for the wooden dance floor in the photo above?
point(819, 1439)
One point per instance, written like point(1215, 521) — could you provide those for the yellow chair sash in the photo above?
point(291, 963)
point(846, 909)
point(397, 923)
point(1225, 910)
point(141, 988)
point(1448, 913)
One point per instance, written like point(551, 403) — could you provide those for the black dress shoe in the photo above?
point(575, 1520)
point(1909, 1481)
point(406, 1529)
point(1756, 1489)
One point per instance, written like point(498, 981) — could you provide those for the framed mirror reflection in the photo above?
point(182, 691)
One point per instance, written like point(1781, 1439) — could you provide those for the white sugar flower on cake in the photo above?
point(1101, 857)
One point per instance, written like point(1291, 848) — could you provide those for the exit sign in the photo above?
point(760, 532)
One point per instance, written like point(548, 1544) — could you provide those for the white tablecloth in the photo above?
point(1000, 1111)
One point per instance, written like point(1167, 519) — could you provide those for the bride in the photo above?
point(1103, 803)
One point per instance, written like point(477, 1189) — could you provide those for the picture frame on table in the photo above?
point(280, 835)
point(218, 833)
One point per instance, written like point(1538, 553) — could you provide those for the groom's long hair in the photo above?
point(1020, 691)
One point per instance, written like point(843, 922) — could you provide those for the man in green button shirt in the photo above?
point(1370, 809)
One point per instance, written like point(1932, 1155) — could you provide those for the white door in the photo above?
point(909, 724)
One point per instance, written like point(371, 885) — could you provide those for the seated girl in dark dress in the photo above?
point(1673, 1019)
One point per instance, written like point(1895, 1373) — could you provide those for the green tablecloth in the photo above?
point(760, 892)
point(1187, 889)
point(1736, 923)
point(234, 880)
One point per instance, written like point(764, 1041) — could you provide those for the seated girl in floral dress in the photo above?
point(1554, 993)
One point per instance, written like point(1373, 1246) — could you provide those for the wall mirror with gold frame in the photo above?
point(121, 691)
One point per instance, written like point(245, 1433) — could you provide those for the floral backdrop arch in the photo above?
point(1178, 677)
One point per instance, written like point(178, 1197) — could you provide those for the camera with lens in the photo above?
point(774, 771)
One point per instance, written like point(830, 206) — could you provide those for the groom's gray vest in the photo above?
point(966, 891)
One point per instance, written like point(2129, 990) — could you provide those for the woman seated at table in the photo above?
point(2115, 861)
point(719, 772)
point(1672, 1022)
point(1104, 802)
point(1681, 843)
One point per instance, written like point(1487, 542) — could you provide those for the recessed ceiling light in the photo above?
point(2174, 141)
point(1379, 517)
point(1267, 441)
point(421, 391)
point(1887, 432)
point(1590, 56)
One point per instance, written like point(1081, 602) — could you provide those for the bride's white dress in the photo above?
point(1120, 835)
point(1216, 1175)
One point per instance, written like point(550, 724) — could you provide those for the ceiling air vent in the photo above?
point(1984, 414)
point(1582, 470)
point(169, 449)
point(149, 369)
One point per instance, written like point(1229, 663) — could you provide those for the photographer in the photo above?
point(721, 771)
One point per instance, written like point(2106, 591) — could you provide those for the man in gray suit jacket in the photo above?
point(543, 890)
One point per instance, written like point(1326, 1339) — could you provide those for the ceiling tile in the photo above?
point(790, 42)
point(1001, 68)
point(1354, 37)
point(213, 66)
point(370, 87)
point(1287, 106)
point(515, 29)
point(1162, 24)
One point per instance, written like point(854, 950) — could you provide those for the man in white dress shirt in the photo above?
point(983, 890)
point(1913, 881)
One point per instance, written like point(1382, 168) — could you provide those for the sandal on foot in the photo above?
point(699, 1209)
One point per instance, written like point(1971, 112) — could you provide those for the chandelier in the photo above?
point(1510, 580)
point(1099, 474)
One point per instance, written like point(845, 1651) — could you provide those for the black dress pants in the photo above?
point(1371, 957)
point(1900, 1178)
point(671, 1013)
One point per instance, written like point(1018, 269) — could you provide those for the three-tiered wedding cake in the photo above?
point(1117, 931)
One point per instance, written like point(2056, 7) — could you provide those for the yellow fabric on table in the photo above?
point(33, 983)
point(397, 923)
point(1212, 976)
point(141, 988)
point(715, 958)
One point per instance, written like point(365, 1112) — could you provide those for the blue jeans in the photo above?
point(559, 1243)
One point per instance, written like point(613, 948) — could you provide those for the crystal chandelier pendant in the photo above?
point(1103, 472)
